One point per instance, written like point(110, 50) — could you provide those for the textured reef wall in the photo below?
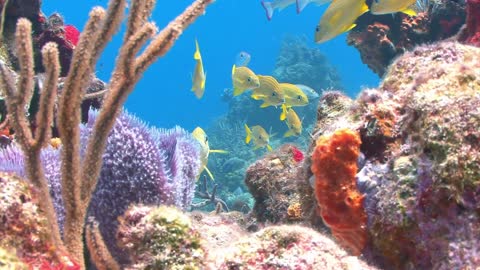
point(418, 171)
point(380, 39)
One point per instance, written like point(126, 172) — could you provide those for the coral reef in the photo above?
point(334, 164)
point(380, 39)
point(23, 228)
point(297, 63)
point(272, 181)
point(140, 165)
point(286, 247)
point(80, 171)
point(160, 238)
point(418, 166)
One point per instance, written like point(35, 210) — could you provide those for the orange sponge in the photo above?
point(334, 164)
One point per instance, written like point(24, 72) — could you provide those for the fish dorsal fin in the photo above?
point(233, 69)
point(410, 12)
point(196, 55)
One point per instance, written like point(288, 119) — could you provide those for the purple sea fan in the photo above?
point(181, 158)
point(141, 165)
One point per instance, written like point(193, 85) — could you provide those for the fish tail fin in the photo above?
point(301, 4)
point(209, 173)
point(268, 9)
point(196, 55)
point(283, 115)
point(249, 134)
point(269, 148)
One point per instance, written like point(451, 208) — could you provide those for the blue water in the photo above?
point(163, 97)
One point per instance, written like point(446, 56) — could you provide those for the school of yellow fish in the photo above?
point(339, 17)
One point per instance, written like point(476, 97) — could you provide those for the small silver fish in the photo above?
point(301, 4)
point(310, 92)
point(270, 6)
point(242, 59)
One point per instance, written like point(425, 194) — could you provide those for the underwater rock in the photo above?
point(381, 38)
point(160, 238)
point(23, 227)
point(272, 181)
point(421, 158)
point(286, 247)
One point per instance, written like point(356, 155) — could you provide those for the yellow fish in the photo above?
point(339, 17)
point(391, 6)
point(243, 79)
point(269, 91)
point(200, 135)
point(259, 136)
point(199, 76)
point(294, 124)
point(294, 96)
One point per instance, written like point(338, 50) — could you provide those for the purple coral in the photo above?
point(140, 165)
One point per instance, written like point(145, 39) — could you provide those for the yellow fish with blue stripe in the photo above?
point(379, 7)
point(200, 135)
point(243, 79)
point(294, 96)
point(199, 76)
point(339, 17)
point(294, 124)
point(259, 137)
point(269, 91)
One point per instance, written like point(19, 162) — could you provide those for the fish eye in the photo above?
point(274, 94)
point(206, 138)
point(317, 29)
point(249, 79)
point(299, 97)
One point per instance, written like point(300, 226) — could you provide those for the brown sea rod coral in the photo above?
point(79, 177)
